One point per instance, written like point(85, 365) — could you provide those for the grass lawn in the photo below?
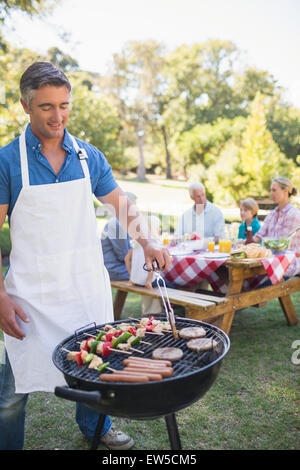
point(254, 403)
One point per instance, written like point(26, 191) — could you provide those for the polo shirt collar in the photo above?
point(34, 142)
point(206, 207)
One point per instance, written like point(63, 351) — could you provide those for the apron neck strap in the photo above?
point(24, 163)
point(83, 158)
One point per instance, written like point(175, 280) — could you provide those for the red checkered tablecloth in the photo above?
point(192, 269)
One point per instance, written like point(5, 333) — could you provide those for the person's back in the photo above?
point(115, 243)
point(115, 246)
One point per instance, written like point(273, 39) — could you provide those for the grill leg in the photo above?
point(96, 438)
point(173, 432)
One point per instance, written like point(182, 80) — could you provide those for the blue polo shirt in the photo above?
point(41, 172)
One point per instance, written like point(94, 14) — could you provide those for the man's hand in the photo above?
point(155, 252)
point(8, 311)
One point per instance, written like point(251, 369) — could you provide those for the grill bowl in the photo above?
point(193, 374)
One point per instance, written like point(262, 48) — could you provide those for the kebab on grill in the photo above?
point(91, 347)
point(122, 327)
point(152, 325)
point(84, 357)
point(100, 344)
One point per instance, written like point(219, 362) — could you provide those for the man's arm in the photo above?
point(8, 308)
point(137, 228)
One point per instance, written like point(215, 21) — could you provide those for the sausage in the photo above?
point(151, 361)
point(132, 360)
point(164, 372)
point(132, 371)
point(115, 377)
point(141, 366)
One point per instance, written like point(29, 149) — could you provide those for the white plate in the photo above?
point(193, 244)
point(216, 255)
point(175, 252)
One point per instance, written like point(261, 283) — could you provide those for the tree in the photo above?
point(32, 7)
point(61, 60)
point(94, 118)
point(251, 81)
point(246, 167)
point(135, 77)
point(261, 158)
point(284, 123)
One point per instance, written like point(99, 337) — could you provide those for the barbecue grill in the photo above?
point(193, 375)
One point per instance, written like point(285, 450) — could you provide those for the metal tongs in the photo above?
point(165, 298)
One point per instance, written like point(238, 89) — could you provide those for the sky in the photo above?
point(265, 31)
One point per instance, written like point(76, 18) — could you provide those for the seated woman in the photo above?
point(283, 219)
point(248, 211)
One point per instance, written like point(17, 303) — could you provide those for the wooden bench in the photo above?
point(204, 307)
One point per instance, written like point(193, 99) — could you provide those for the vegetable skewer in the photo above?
point(104, 348)
point(122, 341)
point(83, 357)
point(122, 328)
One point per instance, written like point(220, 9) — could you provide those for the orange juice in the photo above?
point(166, 241)
point(225, 246)
point(211, 246)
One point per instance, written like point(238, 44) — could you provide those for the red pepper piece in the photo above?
point(150, 327)
point(105, 349)
point(79, 358)
point(86, 346)
point(132, 330)
point(108, 336)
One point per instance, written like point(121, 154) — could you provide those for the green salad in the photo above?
point(277, 245)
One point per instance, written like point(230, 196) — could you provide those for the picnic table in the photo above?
point(243, 281)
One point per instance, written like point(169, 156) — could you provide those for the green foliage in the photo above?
point(260, 157)
point(247, 164)
point(185, 112)
point(94, 119)
point(5, 242)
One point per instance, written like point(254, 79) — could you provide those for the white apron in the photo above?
point(56, 275)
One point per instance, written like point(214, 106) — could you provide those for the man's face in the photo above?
point(199, 196)
point(49, 111)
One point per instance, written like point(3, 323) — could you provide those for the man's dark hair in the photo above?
point(39, 74)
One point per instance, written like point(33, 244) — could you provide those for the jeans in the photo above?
point(12, 413)
point(160, 282)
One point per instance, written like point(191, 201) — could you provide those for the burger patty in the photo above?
point(170, 354)
point(201, 344)
point(192, 332)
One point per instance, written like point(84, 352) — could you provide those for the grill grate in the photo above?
point(191, 361)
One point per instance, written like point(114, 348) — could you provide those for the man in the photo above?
point(203, 218)
point(115, 246)
point(56, 282)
